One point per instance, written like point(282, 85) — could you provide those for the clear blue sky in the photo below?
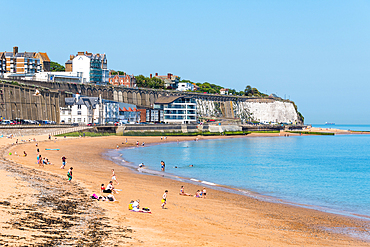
point(317, 53)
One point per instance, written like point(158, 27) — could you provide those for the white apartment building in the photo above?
point(177, 109)
point(93, 67)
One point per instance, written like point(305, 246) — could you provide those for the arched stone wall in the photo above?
point(138, 99)
point(120, 97)
point(115, 95)
point(125, 97)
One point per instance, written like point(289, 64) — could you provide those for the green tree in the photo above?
point(54, 66)
point(146, 82)
point(116, 72)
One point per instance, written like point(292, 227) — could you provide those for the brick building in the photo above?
point(122, 80)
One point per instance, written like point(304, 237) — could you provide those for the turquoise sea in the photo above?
point(330, 173)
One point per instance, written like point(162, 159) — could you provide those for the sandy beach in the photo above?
point(40, 207)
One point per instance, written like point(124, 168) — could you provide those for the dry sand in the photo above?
point(223, 219)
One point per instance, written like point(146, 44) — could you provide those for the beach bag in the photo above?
point(146, 209)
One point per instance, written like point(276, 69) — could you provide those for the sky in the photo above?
point(315, 53)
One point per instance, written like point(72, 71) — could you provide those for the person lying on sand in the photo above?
point(110, 198)
point(182, 192)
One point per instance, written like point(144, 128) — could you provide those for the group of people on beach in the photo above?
point(198, 194)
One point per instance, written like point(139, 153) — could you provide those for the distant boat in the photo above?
point(329, 123)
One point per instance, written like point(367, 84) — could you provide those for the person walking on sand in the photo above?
point(164, 198)
point(69, 174)
point(163, 166)
point(114, 178)
point(63, 162)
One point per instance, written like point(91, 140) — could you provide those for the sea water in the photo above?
point(331, 173)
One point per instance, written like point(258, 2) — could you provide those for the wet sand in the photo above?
point(223, 219)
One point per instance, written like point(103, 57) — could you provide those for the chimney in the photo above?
point(169, 75)
point(151, 75)
point(156, 74)
point(15, 50)
point(118, 73)
point(71, 57)
point(80, 53)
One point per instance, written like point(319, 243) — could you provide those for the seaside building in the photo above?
point(123, 80)
point(92, 66)
point(44, 61)
point(84, 110)
point(170, 80)
point(224, 91)
point(177, 109)
point(21, 62)
point(185, 86)
point(128, 114)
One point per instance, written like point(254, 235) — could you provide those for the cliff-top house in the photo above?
point(24, 62)
point(92, 66)
point(122, 80)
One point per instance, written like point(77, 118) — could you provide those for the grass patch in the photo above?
point(313, 133)
point(236, 133)
point(90, 134)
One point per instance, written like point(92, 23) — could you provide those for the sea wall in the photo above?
point(18, 100)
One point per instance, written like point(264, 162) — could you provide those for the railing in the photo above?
point(69, 130)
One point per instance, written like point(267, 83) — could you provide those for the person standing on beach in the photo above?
point(204, 193)
point(63, 162)
point(114, 178)
point(163, 166)
point(164, 199)
point(69, 174)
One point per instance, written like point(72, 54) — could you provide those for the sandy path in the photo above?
point(223, 219)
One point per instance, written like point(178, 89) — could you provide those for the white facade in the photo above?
point(81, 63)
point(84, 110)
point(185, 86)
point(181, 110)
point(59, 76)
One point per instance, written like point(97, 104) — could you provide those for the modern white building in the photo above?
point(58, 77)
point(185, 86)
point(84, 110)
point(177, 109)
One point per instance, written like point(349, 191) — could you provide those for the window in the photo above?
point(79, 113)
point(79, 107)
point(79, 120)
